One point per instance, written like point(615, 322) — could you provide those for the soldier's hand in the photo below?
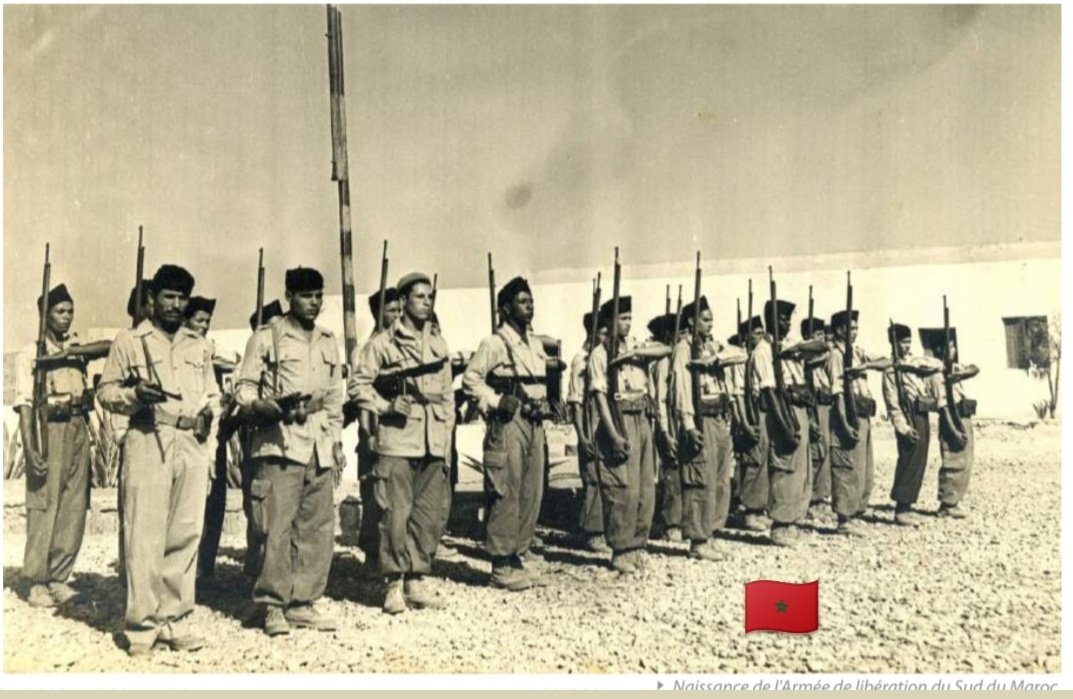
point(814, 431)
point(961, 439)
point(402, 405)
point(508, 405)
point(586, 447)
point(912, 435)
point(852, 434)
point(35, 462)
point(620, 447)
point(149, 394)
point(669, 444)
point(370, 444)
point(266, 408)
point(338, 456)
point(696, 439)
point(753, 431)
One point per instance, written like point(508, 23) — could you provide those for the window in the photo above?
point(1027, 342)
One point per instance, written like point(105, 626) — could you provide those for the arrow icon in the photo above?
point(659, 685)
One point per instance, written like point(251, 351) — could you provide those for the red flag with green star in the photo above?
point(771, 605)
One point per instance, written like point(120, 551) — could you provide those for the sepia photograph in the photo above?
point(683, 341)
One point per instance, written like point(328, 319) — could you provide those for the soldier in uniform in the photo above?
point(818, 381)
point(627, 461)
point(291, 384)
point(909, 414)
point(852, 467)
point(369, 527)
point(591, 516)
point(198, 314)
point(57, 485)
point(668, 515)
point(956, 440)
point(704, 441)
point(753, 453)
point(507, 377)
point(404, 379)
point(789, 466)
point(160, 374)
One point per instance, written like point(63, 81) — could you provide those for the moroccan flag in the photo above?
point(771, 605)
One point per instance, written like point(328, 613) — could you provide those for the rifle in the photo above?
point(781, 403)
point(671, 426)
point(899, 384)
point(677, 318)
point(695, 349)
point(383, 286)
point(848, 400)
point(752, 418)
point(948, 373)
point(492, 292)
point(612, 352)
point(810, 375)
point(336, 90)
point(139, 276)
point(594, 328)
point(432, 301)
point(260, 286)
point(667, 301)
point(39, 425)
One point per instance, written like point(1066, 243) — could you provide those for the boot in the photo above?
point(951, 511)
point(418, 596)
point(622, 562)
point(306, 616)
point(783, 535)
point(275, 623)
point(847, 526)
point(394, 600)
point(506, 577)
point(905, 517)
point(39, 597)
point(703, 551)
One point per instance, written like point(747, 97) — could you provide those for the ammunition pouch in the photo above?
point(716, 407)
point(923, 406)
point(632, 406)
point(535, 411)
point(824, 398)
point(198, 424)
point(966, 407)
point(801, 396)
point(866, 407)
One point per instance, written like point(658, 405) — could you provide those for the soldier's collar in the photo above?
point(290, 326)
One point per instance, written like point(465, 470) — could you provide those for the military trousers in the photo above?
point(165, 480)
point(591, 514)
point(705, 479)
point(851, 469)
point(820, 454)
point(668, 489)
point(912, 462)
point(293, 509)
point(409, 494)
point(215, 512)
point(956, 467)
point(627, 486)
point(514, 465)
point(753, 485)
point(369, 527)
point(56, 504)
point(789, 472)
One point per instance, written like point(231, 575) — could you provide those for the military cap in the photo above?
point(786, 309)
point(625, 305)
point(407, 281)
point(899, 332)
point(302, 279)
point(200, 303)
point(661, 325)
point(687, 310)
point(734, 340)
point(510, 290)
point(147, 291)
point(173, 278)
point(747, 326)
point(391, 295)
point(268, 312)
point(809, 328)
point(58, 294)
point(934, 339)
point(839, 319)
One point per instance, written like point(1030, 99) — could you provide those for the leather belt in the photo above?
point(162, 417)
point(631, 405)
point(824, 398)
point(714, 408)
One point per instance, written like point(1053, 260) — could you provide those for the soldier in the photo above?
point(290, 382)
point(910, 398)
point(57, 485)
point(368, 528)
point(198, 314)
point(819, 418)
point(955, 445)
point(789, 467)
point(160, 374)
point(590, 516)
point(852, 467)
point(507, 378)
point(627, 465)
point(669, 486)
point(753, 449)
point(704, 442)
point(403, 378)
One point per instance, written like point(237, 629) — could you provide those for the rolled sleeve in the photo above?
point(894, 407)
point(576, 385)
point(598, 370)
point(683, 386)
point(24, 377)
point(763, 366)
point(834, 371)
point(111, 393)
point(473, 380)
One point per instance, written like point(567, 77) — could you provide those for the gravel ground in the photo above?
point(979, 595)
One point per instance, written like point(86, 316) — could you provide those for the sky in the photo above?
point(544, 134)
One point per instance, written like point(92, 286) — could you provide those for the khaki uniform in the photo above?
point(291, 503)
point(412, 451)
point(669, 485)
point(591, 515)
point(753, 484)
point(514, 451)
point(852, 467)
point(706, 474)
point(957, 463)
point(627, 486)
point(820, 449)
point(789, 470)
point(165, 472)
point(56, 502)
point(924, 396)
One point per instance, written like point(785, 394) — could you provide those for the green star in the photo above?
point(781, 607)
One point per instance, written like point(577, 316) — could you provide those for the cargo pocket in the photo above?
point(259, 492)
point(495, 471)
point(841, 458)
point(693, 473)
point(36, 490)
